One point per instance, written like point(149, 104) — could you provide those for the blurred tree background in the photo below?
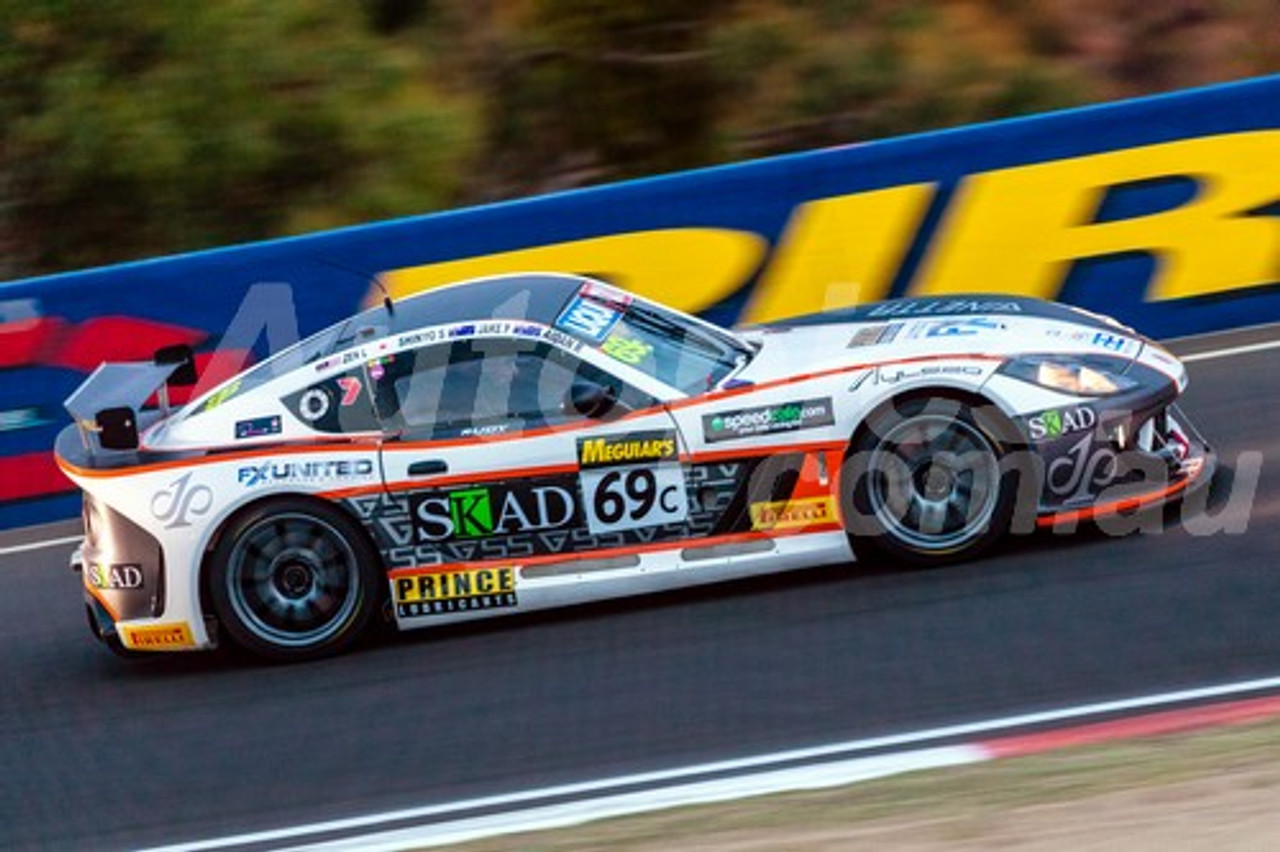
point(132, 128)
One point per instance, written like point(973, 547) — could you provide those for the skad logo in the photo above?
point(1057, 422)
point(111, 577)
point(472, 513)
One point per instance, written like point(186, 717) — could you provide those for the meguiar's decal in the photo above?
point(629, 448)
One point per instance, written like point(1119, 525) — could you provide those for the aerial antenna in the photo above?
point(386, 297)
point(375, 278)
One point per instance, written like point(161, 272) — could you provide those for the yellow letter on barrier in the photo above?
point(686, 268)
point(1018, 230)
point(839, 251)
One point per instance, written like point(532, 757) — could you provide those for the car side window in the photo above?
point(484, 387)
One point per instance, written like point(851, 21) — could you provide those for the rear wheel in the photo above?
point(927, 482)
point(293, 580)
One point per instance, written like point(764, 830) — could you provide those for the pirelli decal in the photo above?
point(444, 592)
point(158, 637)
point(631, 448)
point(793, 514)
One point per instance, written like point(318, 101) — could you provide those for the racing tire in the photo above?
point(294, 580)
point(930, 481)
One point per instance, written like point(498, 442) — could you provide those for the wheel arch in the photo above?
point(1009, 432)
point(1019, 458)
point(257, 504)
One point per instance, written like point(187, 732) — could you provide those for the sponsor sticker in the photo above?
point(793, 514)
point(891, 375)
point(127, 576)
point(222, 396)
point(261, 426)
point(177, 504)
point(1117, 343)
point(1057, 422)
point(632, 480)
point(1082, 471)
point(313, 404)
point(768, 419)
point(870, 335)
point(588, 319)
point(442, 592)
point(305, 471)
point(158, 637)
point(484, 511)
point(966, 327)
point(628, 350)
point(630, 448)
point(943, 307)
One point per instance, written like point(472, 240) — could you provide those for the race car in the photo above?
point(528, 441)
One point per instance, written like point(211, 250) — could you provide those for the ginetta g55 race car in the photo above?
point(529, 441)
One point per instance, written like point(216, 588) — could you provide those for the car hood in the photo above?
point(914, 328)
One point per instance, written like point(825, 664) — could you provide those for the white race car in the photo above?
point(528, 441)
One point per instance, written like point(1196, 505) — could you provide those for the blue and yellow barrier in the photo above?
point(1162, 211)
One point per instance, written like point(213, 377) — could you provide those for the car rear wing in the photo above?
point(106, 406)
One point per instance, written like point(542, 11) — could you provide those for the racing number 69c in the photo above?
point(631, 497)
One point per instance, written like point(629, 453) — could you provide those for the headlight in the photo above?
point(1074, 375)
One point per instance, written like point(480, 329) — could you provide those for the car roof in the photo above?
point(534, 297)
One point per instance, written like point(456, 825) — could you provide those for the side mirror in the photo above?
point(590, 399)
point(117, 428)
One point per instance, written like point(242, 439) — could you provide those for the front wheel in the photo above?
point(293, 580)
point(928, 481)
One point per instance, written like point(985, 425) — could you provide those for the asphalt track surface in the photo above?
point(102, 753)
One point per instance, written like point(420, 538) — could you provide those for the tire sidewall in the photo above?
point(367, 582)
point(870, 538)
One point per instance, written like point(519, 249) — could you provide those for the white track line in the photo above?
point(606, 789)
point(40, 545)
point(828, 775)
point(1213, 354)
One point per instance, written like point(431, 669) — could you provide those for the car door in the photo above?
point(510, 452)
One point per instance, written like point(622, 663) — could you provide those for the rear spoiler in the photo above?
point(106, 405)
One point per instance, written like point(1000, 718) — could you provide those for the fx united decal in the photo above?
point(307, 471)
point(444, 592)
point(767, 419)
point(176, 505)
